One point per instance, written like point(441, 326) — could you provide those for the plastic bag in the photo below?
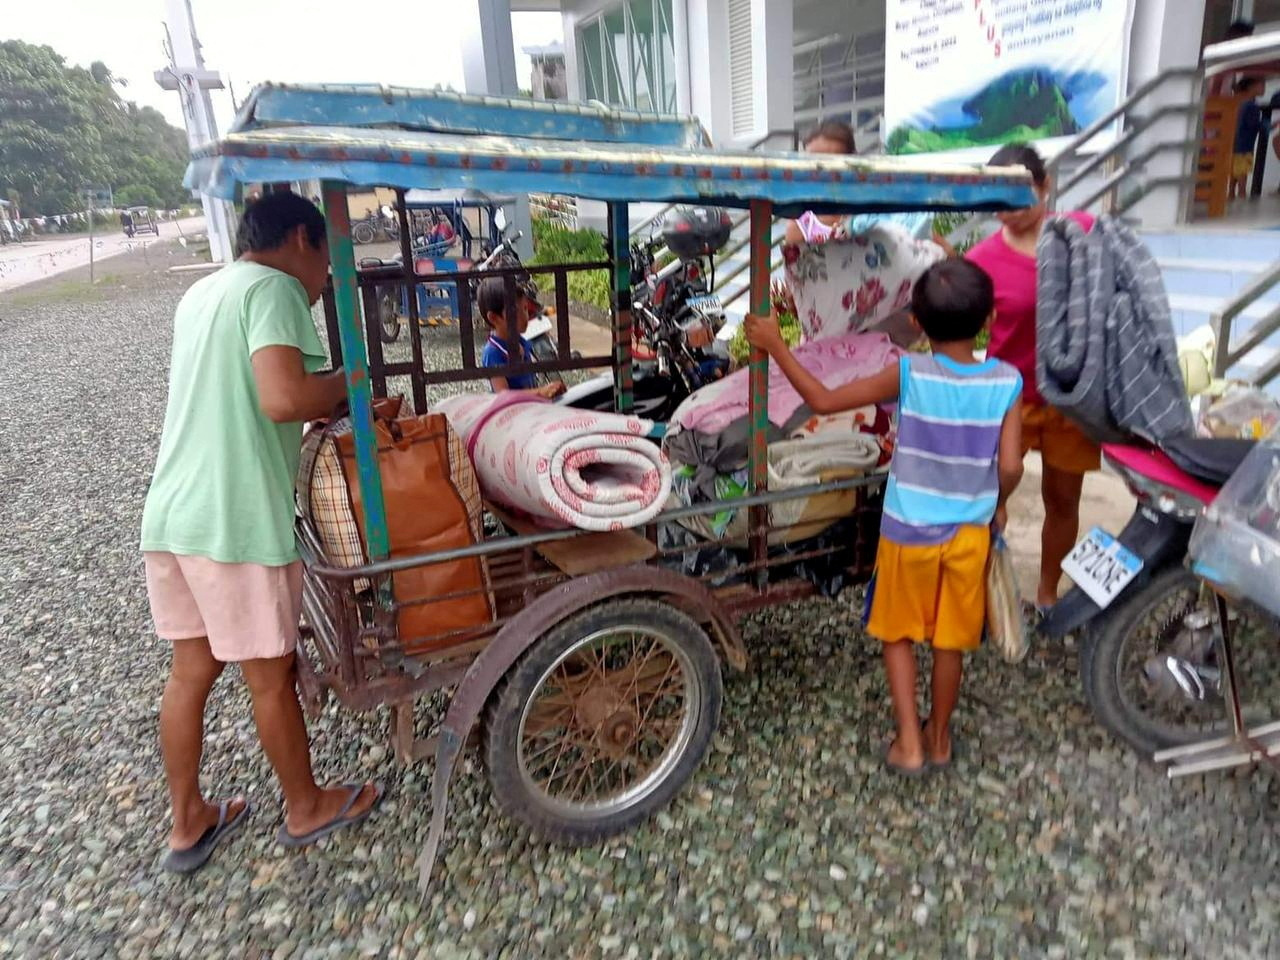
point(1006, 628)
point(1236, 541)
point(1245, 412)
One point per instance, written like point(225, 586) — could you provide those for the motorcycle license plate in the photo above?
point(1101, 566)
point(708, 306)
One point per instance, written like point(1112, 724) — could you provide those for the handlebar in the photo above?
point(507, 244)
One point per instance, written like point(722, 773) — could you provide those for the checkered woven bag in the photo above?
point(323, 498)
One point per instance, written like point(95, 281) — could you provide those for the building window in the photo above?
point(626, 56)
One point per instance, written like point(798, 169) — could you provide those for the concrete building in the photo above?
point(753, 70)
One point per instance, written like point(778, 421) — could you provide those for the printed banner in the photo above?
point(969, 75)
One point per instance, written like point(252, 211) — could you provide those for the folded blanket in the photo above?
point(1106, 355)
point(792, 464)
point(835, 362)
point(594, 471)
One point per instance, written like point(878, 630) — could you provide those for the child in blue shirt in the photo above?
point(492, 303)
point(957, 458)
point(1250, 124)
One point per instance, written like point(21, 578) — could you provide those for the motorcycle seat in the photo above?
point(1156, 465)
point(1212, 459)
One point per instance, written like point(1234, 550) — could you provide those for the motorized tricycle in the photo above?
point(597, 682)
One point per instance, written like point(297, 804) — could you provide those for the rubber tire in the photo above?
point(386, 331)
point(507, 703)
point(1100, 667)
point(363, 232)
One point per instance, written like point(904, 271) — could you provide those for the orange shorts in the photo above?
point(935, 594)
point(1061, 443)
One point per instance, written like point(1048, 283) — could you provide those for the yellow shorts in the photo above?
point(935, 594)
point(1241, 164)
point(1061, 443)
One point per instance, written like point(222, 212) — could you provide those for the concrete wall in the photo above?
point(708, 79)
point(773, 65)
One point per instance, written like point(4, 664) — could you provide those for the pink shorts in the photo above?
point(247, 610)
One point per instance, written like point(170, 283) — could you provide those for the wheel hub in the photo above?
point(602, 714)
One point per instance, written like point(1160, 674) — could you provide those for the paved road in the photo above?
point(22, 263)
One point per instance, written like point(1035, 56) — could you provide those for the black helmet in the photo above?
point(696, 231)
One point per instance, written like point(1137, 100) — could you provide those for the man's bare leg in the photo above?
point(191, 677)
point(283, 733)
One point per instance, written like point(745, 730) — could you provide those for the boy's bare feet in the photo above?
point(937, 744)
point(191, 826)
point(904, 760)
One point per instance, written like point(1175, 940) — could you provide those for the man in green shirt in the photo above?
point(223, 574)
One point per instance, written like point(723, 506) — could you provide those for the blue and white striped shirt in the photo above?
point(945, 465)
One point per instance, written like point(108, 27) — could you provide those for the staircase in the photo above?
point(1205, 270)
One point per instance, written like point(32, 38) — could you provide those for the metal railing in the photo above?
point(1226, 355)
point(558, 209)
point(1112, 158)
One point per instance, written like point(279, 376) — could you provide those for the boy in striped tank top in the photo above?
point(958, 458)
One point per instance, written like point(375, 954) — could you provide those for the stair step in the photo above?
point(1204, 306)
point(1241, 247)
point(1211, 278)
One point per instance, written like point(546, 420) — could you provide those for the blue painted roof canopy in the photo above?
point(444, 111)
point(281, 138)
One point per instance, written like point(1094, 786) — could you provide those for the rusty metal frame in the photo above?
point(362, 661)
point(370, 280)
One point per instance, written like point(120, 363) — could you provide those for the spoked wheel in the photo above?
point(363, 232)
point(1153, 671)
point(603, 720)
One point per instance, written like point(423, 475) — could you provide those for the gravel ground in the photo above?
point(1045, 840)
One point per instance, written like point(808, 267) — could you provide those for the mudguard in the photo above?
point(1158, 538)
point(523, 630)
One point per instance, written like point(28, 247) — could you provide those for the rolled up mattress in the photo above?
point(560, 465)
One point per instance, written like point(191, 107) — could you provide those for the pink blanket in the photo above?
point(835, 362)
point(594, 471)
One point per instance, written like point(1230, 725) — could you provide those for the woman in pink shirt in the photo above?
point(1009, 257)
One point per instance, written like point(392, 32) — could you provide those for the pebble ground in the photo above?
point(1046, 839)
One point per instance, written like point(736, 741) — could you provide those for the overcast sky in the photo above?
point(407, 42)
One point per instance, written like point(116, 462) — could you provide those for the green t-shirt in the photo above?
point(224, 480)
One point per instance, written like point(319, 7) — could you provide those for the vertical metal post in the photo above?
point(356, 367)
point(88, 209)
point(411, 300)
point(1229, 665)
point(620, 253)
point(758, 451)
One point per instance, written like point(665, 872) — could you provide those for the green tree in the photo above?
point(62, 127)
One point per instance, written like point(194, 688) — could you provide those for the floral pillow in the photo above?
point(850, 283)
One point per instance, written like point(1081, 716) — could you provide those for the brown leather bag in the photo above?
point(433, 503)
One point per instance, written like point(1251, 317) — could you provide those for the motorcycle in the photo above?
point(1151, 663)
point(675, 318)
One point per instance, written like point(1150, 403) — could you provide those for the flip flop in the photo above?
point(911, 773)
point(339, 822)
point(197, 855)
